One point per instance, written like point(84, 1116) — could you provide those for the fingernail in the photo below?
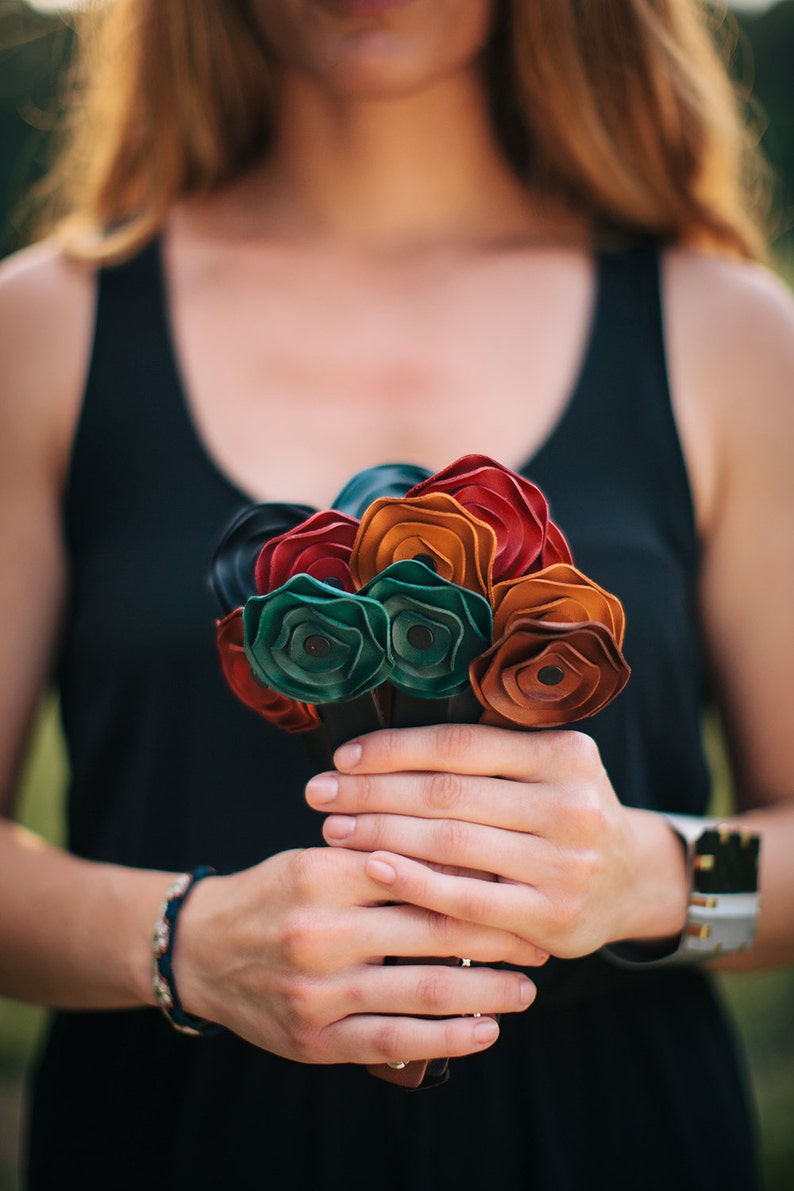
point(526, 992)
point(348, 755)
point(486, 1030)
point(339, 826)
point(379, 870)
point(323, 788)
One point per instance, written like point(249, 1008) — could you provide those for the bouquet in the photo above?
point(415, 599)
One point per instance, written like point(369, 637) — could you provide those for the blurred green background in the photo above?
point(33, 48)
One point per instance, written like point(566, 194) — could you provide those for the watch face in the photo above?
point(726, 862)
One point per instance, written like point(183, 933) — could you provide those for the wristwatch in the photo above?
point(722, 869)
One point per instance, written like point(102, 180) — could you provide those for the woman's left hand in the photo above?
point(574, 868)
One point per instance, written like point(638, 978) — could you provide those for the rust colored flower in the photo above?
point(542, 675)
point(434, 529)
point(561, 594)
point(279, 711)
point(320, 546)
point(515, 508)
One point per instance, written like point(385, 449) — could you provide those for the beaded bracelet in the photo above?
point(163, 981)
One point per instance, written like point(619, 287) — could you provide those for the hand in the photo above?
point(289, 955)
point(575, 868)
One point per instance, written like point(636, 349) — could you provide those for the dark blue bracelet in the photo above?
point(163, 981)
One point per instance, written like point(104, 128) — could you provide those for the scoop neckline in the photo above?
point(239, 492)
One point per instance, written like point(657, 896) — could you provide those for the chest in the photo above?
point(300, 372)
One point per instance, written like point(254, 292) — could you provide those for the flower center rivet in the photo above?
point(317, 646)
point(427, 559)
point(551, 675)
point(420, 637)
point(332, 581)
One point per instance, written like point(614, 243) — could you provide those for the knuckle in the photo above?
point(452, 837)
point(453, 741)
point(431, 992)
point(299, 940)
point(387, 1043)
point(443, 931)
point(443, 791)
point(575, 751)
point(309, 869)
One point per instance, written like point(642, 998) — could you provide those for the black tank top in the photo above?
point(613, 1078)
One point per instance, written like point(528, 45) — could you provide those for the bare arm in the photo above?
point(283, 954)
point(576, 869)
point(732, 334)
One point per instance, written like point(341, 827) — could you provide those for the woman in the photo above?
point(353, 231)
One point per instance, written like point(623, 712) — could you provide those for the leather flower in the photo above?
point(232, 566)
point(516, 509)
point(437, 628)
point(432, 528)
point(542, 675)
point(320, 546)
point(278, 710)
point(560, 593)
point(309, 642)
point(386, 479)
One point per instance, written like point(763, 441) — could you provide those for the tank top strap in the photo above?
point(619, 430)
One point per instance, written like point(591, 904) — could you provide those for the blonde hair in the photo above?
point(621, 109)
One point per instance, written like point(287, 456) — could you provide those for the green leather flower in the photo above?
point(309, 642)
point(437, 628)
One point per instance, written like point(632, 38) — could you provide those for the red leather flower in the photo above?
point(542, 675)
point(320, 546)
point(516, 509)
point(432, 528)
point(279, 711)
point(561, 594)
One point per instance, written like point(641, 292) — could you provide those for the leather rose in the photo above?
point(542, 675)
point(309, 642)
point(386, 479)
point(320, 546)
point(434, 529)
point(560, 593)
point(232, 566)
point(516, 509)
point(278, 710)
point(436, 629)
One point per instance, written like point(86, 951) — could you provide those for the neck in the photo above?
point(396, 173)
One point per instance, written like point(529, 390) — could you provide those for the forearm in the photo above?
point(73, 933)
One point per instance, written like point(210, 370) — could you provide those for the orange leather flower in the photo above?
point(542, 675)
point(434, 529)
point(560, 593)
point(278, 710)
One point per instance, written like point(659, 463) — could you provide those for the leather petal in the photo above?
point(310, 642)
point(559, 593)
point(436, 628)
point(542, 675)
point(319, 546)
point(433, 528)
point(275, 708)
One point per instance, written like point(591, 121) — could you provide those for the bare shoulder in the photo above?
point(729, 329)
point(46, 321)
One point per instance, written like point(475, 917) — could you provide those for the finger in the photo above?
point(412, 931)
point(375, 1039)
point(470, 748)
point(517, 806)
point(433, 990)
point(452, 842)
point(517, 908)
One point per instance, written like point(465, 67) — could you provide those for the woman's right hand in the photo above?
point(289, 955)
